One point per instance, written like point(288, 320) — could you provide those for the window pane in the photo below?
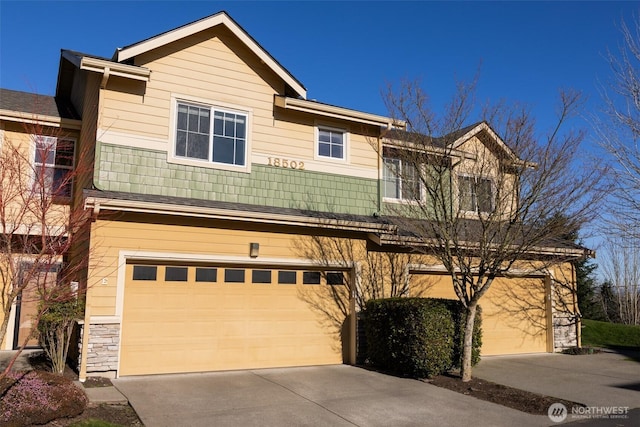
point(241, 126)
point(484, 195)
point(223, 150)
point(175, 274)
point(324, 136)
point(182, 117)
point(239, 160)
point(261, 276)
point(465, 187)
point(194, 119)
point(198, 147)
point(336, 153)
point(45, 150)
point(204, 122)
point(206, 274)
point(336, 138)
point(287, 277)
point(144, 272)
point(390, 176)
point(229, 124)
point(336, 278)
point(218, 123)
point(311, 278)
point(233, 276)
point(324, 150)
point(61, 185)
point(64, 152)
point(181, 143)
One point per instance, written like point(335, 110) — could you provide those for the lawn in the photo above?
point(610, 335)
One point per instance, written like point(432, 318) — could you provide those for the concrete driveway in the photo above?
point(311, 396)
point(603, 379)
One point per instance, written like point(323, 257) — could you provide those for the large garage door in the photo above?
point(514, 312)
point(206, 318)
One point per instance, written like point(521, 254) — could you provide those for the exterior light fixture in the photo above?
point(254, 248)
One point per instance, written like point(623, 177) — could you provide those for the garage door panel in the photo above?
point(514, 316)
point(190, 327)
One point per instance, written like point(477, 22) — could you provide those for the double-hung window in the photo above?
point(331, 143)
point(53, 165)
point(401, 179)
point(475, 194)
point(210, 134)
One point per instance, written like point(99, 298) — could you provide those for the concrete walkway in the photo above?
point(312, 396)
point(603, 379)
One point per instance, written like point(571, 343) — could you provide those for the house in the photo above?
point(206, 166)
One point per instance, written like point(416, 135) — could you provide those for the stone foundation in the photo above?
point(102, 349)
point(564, 331)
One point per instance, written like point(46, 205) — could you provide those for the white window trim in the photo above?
point(316, 143)
point(476, 178)
point(400, 200)
point(214, 105)
point(34, 146)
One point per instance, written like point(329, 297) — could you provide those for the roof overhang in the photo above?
point(106, 67)
point(96, 204)
point(204, 24)
point(40, 120)
point(541, 250)
point(332, 111)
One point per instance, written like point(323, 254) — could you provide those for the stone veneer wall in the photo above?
point(564, 331)
point(102, 349)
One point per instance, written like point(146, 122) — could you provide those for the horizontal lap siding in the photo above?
point(109, 237)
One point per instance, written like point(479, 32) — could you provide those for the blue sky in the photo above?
point(345, 53)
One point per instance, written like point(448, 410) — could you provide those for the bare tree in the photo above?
point(484, 205)
point(618, 130)
point(38, 226)
point(621, 267)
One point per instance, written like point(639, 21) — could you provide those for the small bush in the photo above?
point(37, 397)
point(577, 351)
point(55, 329)
point(409, 336)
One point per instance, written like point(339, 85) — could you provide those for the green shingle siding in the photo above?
point(147, 172)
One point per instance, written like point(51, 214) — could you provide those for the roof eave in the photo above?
point(335, 112)
point(41, 120)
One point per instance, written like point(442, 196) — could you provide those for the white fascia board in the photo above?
point(205, 24)
point(34, 119)
point(115, 69)
point(335, 112)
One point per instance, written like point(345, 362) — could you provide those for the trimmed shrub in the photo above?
point(37, 397)
point(409, 336)
point(417, 337)
point(460, 317)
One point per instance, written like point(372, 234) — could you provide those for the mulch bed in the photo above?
point(521, 400)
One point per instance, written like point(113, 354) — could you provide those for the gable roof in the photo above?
point(451, 143)
point(220, 18)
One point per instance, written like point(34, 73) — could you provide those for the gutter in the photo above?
point(53, 121)
point(96, 204)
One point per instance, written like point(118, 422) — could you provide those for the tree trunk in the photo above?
point(467, 348)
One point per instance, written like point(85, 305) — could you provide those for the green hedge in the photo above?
point(416, 337)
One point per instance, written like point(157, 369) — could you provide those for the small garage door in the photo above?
point(207, 318)
point(514, 312)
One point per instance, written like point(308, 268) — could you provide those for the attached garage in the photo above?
point(516, 314)
point(192, 318)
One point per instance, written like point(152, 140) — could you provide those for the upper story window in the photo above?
point(401, 178)
point(475, 194)
point(211, 134)
point(53, 165)
point(331, 143)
